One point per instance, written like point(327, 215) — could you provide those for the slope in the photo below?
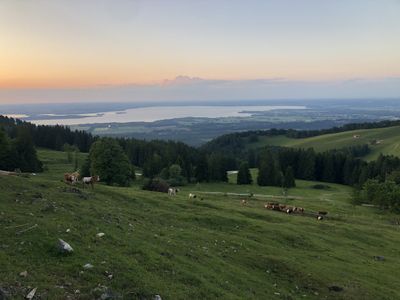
point(388, 141)
point(190, 249)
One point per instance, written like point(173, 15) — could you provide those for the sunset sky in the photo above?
point(77, 50)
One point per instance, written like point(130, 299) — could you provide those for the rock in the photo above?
point(157, 297)
point(100, 234)
point(68, 230)
point(23, 274)
point(3, 294)
point(335, 288)
point(64, 247)
point(88, 266)
point(107, 295)
point(379, 258)
point(31, 294)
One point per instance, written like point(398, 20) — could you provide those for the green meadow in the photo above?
point(211, 247)
point(388, 141)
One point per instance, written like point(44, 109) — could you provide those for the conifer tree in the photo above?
point(244, 175)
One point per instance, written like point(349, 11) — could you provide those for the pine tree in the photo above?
point(306, 167)
point(201, 171)
point(5, 163)
point(244, 175)
point(268, 174)
point(25, 153)
point(328, 174)
point(262, 178)
point(288, 180)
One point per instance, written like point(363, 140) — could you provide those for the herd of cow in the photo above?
point(292, 209)
point(75, 177)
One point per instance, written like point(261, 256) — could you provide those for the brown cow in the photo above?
point(71, 178)
point(243, 201)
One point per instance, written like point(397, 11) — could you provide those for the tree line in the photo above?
point(277, 164)
point(179, 163)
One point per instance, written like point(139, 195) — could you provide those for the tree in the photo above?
point(306, 167)
point(109, 161)
point(25, 153)
point(4, 151)
point(244, 175)
point(268, 171)
point(153, 166)
point(394, 176)
point(217, 167)
point(288, 179)
point(201, 170)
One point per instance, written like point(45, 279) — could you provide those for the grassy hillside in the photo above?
point(389, 141)
point(190, 249)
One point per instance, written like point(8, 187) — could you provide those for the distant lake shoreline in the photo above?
point(154, 113)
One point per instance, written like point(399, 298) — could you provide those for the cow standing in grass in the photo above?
point(173, 191)
point(71, 178)
point(90, 180)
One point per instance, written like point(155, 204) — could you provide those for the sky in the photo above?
point(103, 50)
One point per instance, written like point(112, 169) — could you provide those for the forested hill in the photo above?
point(160, 159)
point(381, 137)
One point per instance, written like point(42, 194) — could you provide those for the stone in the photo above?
point(335, 288)
point(379, 258)
point(157, 297)
point(23, 274)
point(64, 247)
point(100, 234)
point(31, 294)
point(88, 266)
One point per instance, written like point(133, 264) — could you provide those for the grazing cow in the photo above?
point(282, 206)
point(323, 213)
point(192, 196)
point(90, 180)
point(71, 178)
point(320, 218)
point(173, 191)
point(300, 210)
point(243, 201)
point(289, 210)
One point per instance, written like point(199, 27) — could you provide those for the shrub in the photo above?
point(156, 185)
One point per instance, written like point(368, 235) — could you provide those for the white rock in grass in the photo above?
point(157, 297)
point(64, 247)
point(31, 294)
point(68, 230)
point(100, 234)
point(88, 266)
point(23, 274)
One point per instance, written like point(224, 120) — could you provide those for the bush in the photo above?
point(156, 185)
point(320, 186)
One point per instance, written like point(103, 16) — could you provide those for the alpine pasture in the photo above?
point(210, 247)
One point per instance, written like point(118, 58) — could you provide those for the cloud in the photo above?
point(186, 89)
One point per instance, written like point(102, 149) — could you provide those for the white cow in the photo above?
point(173, 191)
point(90, 180)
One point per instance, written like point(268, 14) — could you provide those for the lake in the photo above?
point(155, 113)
